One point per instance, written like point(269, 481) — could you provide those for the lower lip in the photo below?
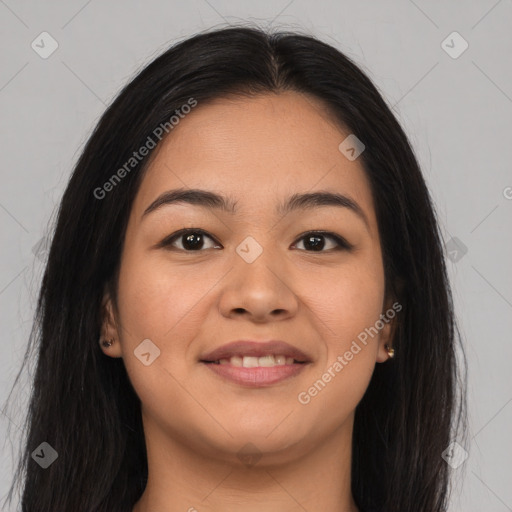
point(256, 377)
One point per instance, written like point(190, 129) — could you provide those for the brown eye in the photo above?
point(315, 241)
point(190, 240)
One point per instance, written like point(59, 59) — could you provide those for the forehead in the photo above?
point(259, 150)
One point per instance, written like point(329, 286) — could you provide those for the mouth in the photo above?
point(256, 364)
point(266, 361)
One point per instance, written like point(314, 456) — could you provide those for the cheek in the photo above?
point(347, 305)
point(344, 372)
point(166, 304)
point(162, 306)
point(157, 299)
point(348, 300)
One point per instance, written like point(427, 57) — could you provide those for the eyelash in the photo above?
point(342, 244)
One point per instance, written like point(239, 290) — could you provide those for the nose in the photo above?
point(258, 291)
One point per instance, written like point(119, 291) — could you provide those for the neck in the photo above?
point(181, 478)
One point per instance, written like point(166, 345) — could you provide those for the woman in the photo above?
point(245, 305)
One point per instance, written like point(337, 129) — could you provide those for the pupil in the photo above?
point(315, 242)
point(193, 241)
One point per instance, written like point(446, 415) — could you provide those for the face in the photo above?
point(256, 273)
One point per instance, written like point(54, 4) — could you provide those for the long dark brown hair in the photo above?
point(82, 403)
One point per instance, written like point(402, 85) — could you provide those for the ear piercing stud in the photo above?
point(107, 343)
point(390, 351)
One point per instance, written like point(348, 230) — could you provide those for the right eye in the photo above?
point(191, 240)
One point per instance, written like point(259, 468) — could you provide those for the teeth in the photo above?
point(250, 362)
point(236, 361)
point(254, 362)
point(266, 361)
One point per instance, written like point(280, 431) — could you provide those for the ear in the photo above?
point(387, 333)
point(109, 330)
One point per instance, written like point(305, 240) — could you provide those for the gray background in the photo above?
point(457, 112)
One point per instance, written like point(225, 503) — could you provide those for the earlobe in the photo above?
point(386, 350)
point(110, 347)
point(109, 339)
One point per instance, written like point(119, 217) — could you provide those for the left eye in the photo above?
point(191, 239)
point(315, 240)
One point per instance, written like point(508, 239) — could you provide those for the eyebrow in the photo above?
point(212, 200)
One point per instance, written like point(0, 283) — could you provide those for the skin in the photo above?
point(259, 151)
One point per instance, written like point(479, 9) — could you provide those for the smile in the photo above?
point(256, 371)
point(266, 361)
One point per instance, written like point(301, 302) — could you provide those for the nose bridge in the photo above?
point(257, 286)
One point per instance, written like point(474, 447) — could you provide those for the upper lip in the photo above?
point(256, 349)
